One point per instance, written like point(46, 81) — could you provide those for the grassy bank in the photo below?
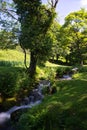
point(65, 110)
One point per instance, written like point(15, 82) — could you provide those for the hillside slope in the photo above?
point(65, 110)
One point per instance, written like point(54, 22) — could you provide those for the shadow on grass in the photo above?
point(11, 63)
point(69, 104)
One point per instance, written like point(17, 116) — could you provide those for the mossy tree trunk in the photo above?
point(32, 66)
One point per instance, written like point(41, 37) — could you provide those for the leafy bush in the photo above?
point(7, 82)
point(12, 80)
point(62, 70)
point(50, 72)
point(83, 69)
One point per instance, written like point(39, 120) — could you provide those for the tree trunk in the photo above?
point(25, 58)
point(82, 63)
point(32, 67)
point(67, 59)
point(57, 56)
point(24, 50)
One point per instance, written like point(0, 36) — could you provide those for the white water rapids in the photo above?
point(34, 99)
point(5, 116)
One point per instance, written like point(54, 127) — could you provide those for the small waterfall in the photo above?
point(4, 117)
point(15, 108)
point(34, 99)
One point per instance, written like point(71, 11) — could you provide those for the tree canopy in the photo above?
point(8, 25)
point(74, 35)
point(35, 20)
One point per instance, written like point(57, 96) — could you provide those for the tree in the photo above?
point(8, 25)
point(73, 33)
point(35, 20)
point(7, 39)
point(56, 45)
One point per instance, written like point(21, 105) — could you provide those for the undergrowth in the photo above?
point(65, 110)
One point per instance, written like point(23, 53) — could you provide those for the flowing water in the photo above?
point(5, 116)
point(34, 99)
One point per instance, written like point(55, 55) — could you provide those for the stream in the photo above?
point(32, 100)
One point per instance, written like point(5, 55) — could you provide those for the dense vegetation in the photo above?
point(33, 47)
point(65, 109)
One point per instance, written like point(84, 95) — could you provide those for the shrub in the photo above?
point(62, 70)
point(83, 69)
point(12, 80)
point(7, 82)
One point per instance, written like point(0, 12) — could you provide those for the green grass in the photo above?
point(12, 58)
point(81, 76)
point(16, 58)
point(48, 64)
point(65, 110)
point(11, 55)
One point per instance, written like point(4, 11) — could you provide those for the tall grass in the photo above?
point(12, 58)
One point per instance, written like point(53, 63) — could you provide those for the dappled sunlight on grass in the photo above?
point(12, 57)
point(72, 94)
point(84, 96)
point(67, 105)
point(49, 64)
point(65, 109)
point(82, 76)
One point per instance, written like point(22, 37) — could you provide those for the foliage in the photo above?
point(8, 25)
point(56, 45)
point(35, 36)
point(73, 32)
point(7, 82)
point(12, 81)
point(6, 40)
point(62, 70)
point(64, 110)
point(83, 69)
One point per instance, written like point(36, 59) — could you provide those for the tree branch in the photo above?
point(53, 3)
point(56, 2)
point(9, 13)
